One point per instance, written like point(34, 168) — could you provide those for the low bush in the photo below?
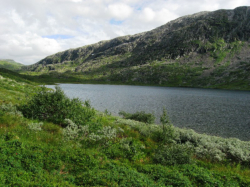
point(113, 175)
point(204, 146)
point(55, 106)
point(126, 148)
point(52, 128)
point(9, 109)
point(172, 155)
point(164, 176)
point(73, 131)
point(35, 126)
point(215, 148)
point(141, 116)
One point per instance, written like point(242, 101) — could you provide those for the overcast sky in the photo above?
point(33, 29)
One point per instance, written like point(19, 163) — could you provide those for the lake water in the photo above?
point(216, 112)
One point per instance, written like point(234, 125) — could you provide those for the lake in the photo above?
point(217, 112)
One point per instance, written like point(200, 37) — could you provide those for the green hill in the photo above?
point(207, 49)
point(10, 64)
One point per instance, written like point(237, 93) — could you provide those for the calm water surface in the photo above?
point(217, 112)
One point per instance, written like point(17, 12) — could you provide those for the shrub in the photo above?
point(126, 148)
point(73, 131)
point(204, 146)
point(144, 129)
point(55, 106)
point(139, 116)
point(215, 148)
point(35, 126)
point(10, 109)
point(165, 176)
point(172, 155)
point(168, 132)
point(112, 174)
point(104, 135)
point(50, 127)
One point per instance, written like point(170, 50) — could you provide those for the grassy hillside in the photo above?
point(38, 147)
point(207, 49)
point(10, 64)
point(158, 73)
point(14, 86)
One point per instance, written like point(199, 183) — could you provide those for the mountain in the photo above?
point(207, 49)
point(10, 64)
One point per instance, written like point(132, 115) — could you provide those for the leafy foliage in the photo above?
point(10, 109)
point(204, 146)
point(35, 126)
point(55, 106)
point(141, 116)
point(173, 155)
point(73, 131)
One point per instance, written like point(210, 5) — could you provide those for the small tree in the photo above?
point(167, 128)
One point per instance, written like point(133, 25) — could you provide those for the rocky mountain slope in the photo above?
point(207, 49)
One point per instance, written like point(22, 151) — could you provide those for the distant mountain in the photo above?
point(10, 64)
point(207, 49)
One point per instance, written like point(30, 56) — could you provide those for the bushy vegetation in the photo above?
point(55, 106)
point(111, 151)
point(204, 146)
point(141, 116)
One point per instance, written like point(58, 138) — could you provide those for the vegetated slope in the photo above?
point(14, 86)
point(13, 75)
point(102, 150)
point(96, 149)
point(10, 64)
point(207, 49)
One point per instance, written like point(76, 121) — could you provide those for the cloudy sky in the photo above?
point(33, 29)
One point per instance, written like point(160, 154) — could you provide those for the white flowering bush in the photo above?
point(120, 130)
point(105, 134)
point(35, 126)
point(143, 128)
point(215, 148)
point(150, 130)
point(10, 109)
point(73, 131)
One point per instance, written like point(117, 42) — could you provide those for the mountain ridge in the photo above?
point(199, 43)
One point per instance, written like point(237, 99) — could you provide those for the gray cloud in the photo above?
point(24, 24)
